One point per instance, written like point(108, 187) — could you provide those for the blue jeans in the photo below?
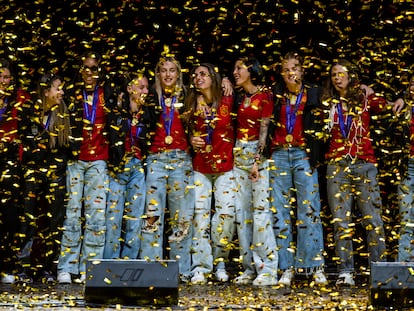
point(406, 200)
point(125, 207)
point(253, 216)
point(170, 184)
point(292, 178)
point(86, 184)
point(210, 243)
point(350, 182)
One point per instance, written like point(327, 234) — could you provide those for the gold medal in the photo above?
point(289, 138)
point(168, 102)
point(209, 148)
point(168, 140)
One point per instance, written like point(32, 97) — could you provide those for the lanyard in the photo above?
point(168, 116)
point(46, 126)
point(345, 127)
point(291, 115)
point(3, 110)
point(210, 128)
point(91, 117)
point(138, 130)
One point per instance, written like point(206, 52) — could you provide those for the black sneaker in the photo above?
point(48, 277)
point(24, 278)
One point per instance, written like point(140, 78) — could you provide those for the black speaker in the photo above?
point(131, 282)
point(392, 284)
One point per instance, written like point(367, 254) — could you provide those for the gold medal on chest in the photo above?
point(168, 140)
point(209, 148)
point(289, 138)
point(168, 102)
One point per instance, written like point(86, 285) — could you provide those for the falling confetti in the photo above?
point(48, 36)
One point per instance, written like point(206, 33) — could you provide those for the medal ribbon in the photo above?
point(138, 128)
point(209, 119)
point(345, 127)
point(291, 115)
point(168, 117)
point(91, 117)
point(3, 110)
point(46, 126)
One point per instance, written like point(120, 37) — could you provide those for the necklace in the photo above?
point(248, 97)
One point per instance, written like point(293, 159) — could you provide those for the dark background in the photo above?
point(51, 34)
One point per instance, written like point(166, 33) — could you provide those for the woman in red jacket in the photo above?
point(212, 138)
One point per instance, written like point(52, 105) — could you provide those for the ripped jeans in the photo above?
point(253, 215)
point(85, 214)
point(170, 184)
point(406, 204)
point(211, 234)
point(293, 178)
point(125, 207)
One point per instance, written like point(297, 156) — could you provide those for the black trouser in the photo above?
point(10, 210)
point(44, 211)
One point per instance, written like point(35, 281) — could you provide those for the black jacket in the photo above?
point(36, 152)
point(74, 101)
point(118, 120)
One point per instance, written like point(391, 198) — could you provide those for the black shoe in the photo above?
point(47, 277)
point(24, 278)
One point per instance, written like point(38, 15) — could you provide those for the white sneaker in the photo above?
point(320, 278)
point(198, 278)
point(287, 277)
point(245, 278)
point(265, 279)
point(221, 275)
point(64, 278)
point(8, 279)
point(345, 279)
point(81, 279)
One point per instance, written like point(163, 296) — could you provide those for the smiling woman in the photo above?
point(45, 135)
point(170, 177)
point(211, 134)
point(253, 110)
point(90, 102)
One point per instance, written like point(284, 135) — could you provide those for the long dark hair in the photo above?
point(216, 91)
point(354, 92)
point(254, 67)
point(59, 125)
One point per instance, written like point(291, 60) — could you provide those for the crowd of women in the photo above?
point(95, 170)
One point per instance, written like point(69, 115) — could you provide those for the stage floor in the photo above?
point(212, 296)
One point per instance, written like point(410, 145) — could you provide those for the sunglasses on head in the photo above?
point(92, 68)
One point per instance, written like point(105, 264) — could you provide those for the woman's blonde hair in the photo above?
point(179, 84)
